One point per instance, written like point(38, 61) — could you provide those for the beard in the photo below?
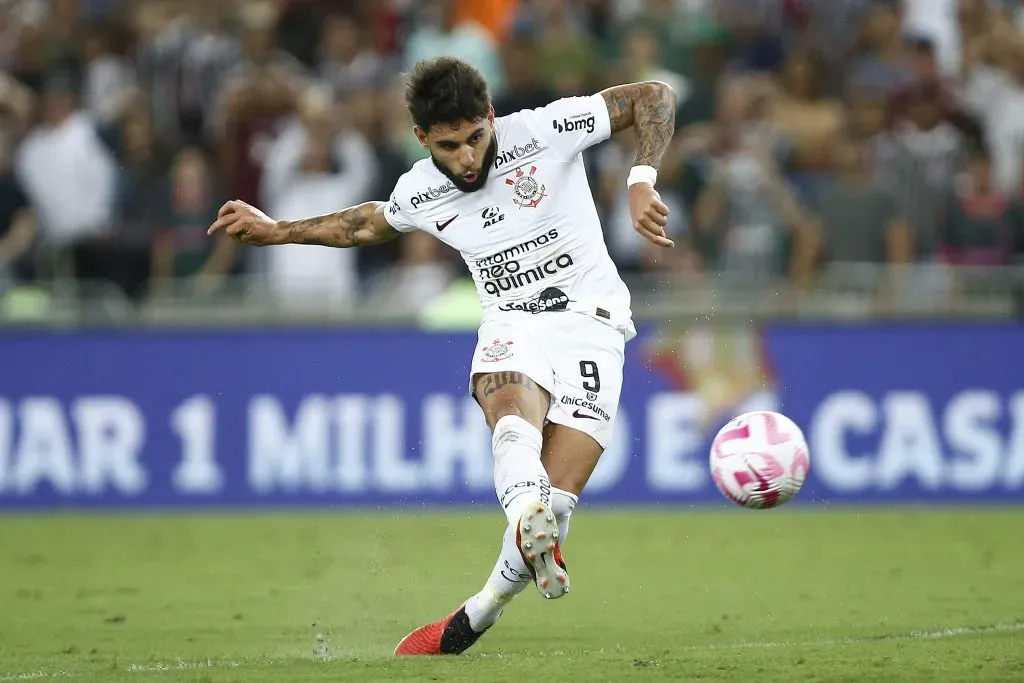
point(485, 168)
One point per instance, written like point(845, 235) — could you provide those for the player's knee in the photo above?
point(500, 398)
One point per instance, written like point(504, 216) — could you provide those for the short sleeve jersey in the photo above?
point(531, 236)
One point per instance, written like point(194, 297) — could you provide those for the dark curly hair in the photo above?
point(446, 90)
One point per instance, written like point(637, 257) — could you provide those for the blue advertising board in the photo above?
point(134, 418)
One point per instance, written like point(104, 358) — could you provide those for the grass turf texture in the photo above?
point(657, 595)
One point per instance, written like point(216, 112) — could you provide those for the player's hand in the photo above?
point(649, 214)
point(246, 224)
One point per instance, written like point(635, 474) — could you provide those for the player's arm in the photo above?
point(650, 108)
point(357, 226)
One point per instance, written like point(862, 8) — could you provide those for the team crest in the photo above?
point(497, 351)
point(528, 190)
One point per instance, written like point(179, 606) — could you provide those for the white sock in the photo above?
point(508, 578)
point(510, 574)
point(519, 476)
point(562, 504)
point(519, 480)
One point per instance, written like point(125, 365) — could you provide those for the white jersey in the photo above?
point(531, 236)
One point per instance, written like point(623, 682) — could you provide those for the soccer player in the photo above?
point(511, 195)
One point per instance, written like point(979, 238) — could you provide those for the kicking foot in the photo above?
point(537, 538)
point(450, 636)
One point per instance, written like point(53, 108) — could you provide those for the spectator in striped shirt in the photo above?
point(919, 160)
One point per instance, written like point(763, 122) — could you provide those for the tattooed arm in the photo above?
point(650, 107)
point(356, 226)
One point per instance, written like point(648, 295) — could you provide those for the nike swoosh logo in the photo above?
point(576, 413)
point(513, 498)
point(441, 226)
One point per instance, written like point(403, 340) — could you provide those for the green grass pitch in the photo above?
point(669, 594)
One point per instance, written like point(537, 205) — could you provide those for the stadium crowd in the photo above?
point(809, 132)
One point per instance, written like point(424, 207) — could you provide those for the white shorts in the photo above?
point(577, 358)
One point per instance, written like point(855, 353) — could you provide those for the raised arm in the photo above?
point(650, 107)
point(357, 226)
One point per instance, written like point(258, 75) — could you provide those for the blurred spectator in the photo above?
point(439, 31)
point(567, 52)
point(70, 178)
point(676, 24)
point(32, 60)
point(524, 87)
point(867, 115)
point(978, 226)
point(109, 78)
point(859, 219)
point(495, 16)
point(920, 159)
point(756, 28)
point(833, 28)
point(346, 60)
point(995, 92)
point(419, 278)
point(255, 101)
point(375, 112)
point(183, 60)
point(641, 61)
point(810, 122)
point(182, 251)
point(18, 228)
point(313, 167)
point(140, 201)
point(748, 221)
point(937, 21)
point(927, 74)
point(887, 65)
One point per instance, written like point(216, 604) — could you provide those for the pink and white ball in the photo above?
point(759, 459)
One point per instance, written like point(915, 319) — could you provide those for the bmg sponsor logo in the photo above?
point(574, 123)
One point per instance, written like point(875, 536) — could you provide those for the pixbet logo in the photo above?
point(430, 194)
point(574, 124)
point(517, 152)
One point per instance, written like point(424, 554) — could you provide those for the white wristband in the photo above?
point(642, 174)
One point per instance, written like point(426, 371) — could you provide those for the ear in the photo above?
point(490, 113)
point(421, 135)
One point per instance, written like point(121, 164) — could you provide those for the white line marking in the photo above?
point(939, 634)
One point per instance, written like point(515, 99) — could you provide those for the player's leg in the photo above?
point(515, 407)
point(514, 402)
point(585, 398)
point(569, 457)
point(529, 550)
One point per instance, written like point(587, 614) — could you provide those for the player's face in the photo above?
point(464, 151)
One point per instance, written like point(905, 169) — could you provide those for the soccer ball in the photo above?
point(759, 459)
